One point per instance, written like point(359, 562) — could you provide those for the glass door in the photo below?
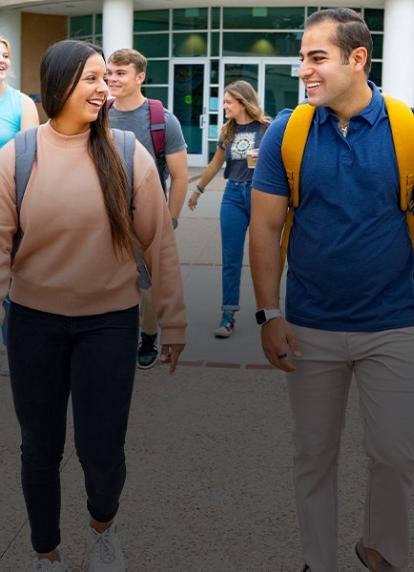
point(190, 81)
point(281, 87)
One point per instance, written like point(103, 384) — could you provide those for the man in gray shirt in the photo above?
point(130, 111)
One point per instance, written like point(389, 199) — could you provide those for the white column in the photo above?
point(10, 28)
point(397, 71)
point(117, 25)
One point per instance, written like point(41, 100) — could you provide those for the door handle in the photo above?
point(202, 121)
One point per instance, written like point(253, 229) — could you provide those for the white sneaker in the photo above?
point(105, 552)
point(44, 565)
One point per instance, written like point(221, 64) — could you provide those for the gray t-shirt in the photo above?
point(138, 121)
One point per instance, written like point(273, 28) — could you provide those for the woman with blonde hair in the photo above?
point(17, 110)
point(239, 139)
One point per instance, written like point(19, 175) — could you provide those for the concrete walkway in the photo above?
point(209, 454)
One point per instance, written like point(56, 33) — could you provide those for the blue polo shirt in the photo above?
point(350, 258)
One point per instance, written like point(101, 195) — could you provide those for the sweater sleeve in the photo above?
point(155, 234)
point(8, 217)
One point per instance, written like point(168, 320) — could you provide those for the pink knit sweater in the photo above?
point(66, 263)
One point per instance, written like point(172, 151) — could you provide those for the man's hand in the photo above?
point(277, 340)
point(170, 354)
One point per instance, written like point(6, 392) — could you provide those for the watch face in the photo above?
point(260, 317)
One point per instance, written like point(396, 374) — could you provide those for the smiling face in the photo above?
point(84, 103)
point(124, 80)
point(233, 109)
point(5, 63)
point(329, 80)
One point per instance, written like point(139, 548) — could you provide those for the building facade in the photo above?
point(194, 51)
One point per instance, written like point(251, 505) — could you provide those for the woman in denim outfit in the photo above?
point(240, 135)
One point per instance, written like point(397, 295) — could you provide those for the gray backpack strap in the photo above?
point(25, 144)
point(125, 143)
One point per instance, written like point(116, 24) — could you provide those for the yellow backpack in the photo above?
point(293, 146)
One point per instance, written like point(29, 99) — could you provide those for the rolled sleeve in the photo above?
point(269, 174)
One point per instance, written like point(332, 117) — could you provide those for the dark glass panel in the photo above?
point(376, 73)
point(80, 26)
point(263, 18)
point(214, 71)
point(151, 21)
point(269, 44)
point(215, 18)
point(157, 72)
point(190, 19)
point(378, 40)
point(248, 72)
point(188, 103)
point(156, 93)
point(374, 19)
point(152, 45)
point(190, 45)
point(215, 44)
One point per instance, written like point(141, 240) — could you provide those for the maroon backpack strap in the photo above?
point(109, 102)
point(157, 123)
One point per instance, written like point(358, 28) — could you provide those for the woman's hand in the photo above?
point(170, 354)
point(193, 200)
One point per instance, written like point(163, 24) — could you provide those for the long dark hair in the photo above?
point(60, 71)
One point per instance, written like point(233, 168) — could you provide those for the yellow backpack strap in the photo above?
point(293, 147)
point(402, 127)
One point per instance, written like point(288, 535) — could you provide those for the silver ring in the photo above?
point(281, 356)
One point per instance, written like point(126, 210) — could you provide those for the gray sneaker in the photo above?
point(43, 565)
point(105, 552)
point(380, 566)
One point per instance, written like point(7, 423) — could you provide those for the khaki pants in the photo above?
point(148, 317)
point(383, 365)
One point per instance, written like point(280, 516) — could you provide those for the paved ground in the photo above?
point(209, 452)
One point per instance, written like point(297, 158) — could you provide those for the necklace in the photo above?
point(343, 127)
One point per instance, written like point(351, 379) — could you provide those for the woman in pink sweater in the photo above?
point(73, 326)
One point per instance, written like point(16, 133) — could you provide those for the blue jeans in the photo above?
point(234, 221)
point(93, 358)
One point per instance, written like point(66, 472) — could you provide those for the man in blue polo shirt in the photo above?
point(350, 294)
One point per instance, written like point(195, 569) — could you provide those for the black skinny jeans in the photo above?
point(93, 358)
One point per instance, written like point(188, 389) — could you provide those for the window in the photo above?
point(261, 18)
point(151, 21)
point(157, 72)
point(190, 19)
point(152, 45)
point(265, 44)
point(190, 45)
point(81, 26)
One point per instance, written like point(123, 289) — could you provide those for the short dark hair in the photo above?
point(351, 31)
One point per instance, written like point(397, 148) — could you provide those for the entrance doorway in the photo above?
point(188, 103)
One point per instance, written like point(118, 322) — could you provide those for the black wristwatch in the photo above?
point(264, 315)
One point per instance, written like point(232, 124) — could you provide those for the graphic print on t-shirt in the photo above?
point(242, 143)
